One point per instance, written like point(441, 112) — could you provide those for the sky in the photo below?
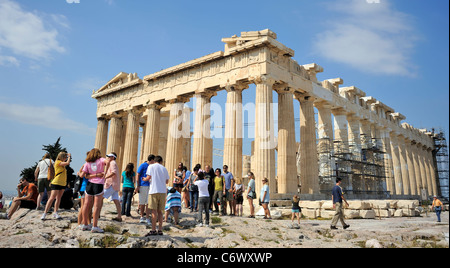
point(54, 53)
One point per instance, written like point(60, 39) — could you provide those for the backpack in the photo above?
point(51, 171)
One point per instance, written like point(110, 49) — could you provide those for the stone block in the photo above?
point(383, 213)
point(327, 214)
point(405, 213)
point(367, 214)
point(401, 204)
point(351, 214)
point(311, 204)
point(393, 203)
point(328, 205)
point(310, 213)
point(381, 204)
point(358, 204)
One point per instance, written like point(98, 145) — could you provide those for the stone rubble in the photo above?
point(26, 230)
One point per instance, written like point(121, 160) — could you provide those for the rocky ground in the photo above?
point(26, 230)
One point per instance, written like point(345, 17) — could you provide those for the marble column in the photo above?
point(151, 140)
point(174, 151)
point(340, 130)
point(432, 189)
point(202, 154)
point(309, 174)
point(265, 141)
point(423, 168)
point(325, 145)
point(115, 134)
point(232, 155)
point(417, 172)
point(404, 166)
point(366, 134)
point(101, 137)
point(389, 170)
point(396, 164)
point(411, 169)
point(287, 169)
point(130, 151)
point(354, 134)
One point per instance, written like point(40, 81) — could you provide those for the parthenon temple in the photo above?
point(343, 132)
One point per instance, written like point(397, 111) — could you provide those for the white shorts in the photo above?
point(143, 195)
point(111, 194)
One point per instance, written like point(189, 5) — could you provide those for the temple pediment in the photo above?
point(121, 80)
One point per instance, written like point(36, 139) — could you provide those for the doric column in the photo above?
point(389, 170)
point(286, 169)
point(423, 168)
point(411, 169)
point(340, 130)
point(130, 150)
point(151, 140)
point(265, 142)
point(325, 145)
point(101, 137)
point(202, 153)
point(115, 134)
point(396, 164)
point(432, 189)
point(174, 152)
point(417, 172)
point(354, 133)
point(309, 169)
point(404, 166)
point(232, 153)
point(366, 134)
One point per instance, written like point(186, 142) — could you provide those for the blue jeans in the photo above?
point(193, 198)
point(438, 213)
point(127, 195)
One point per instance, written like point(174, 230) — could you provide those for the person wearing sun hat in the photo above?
point(112, 184)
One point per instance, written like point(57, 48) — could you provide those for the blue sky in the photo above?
point(53, 54)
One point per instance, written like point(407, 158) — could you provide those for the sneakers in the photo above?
point(43, 216)
point(97, 230)
point(56, 216)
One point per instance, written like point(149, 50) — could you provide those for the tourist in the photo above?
point(27, 194)
point(41, 175)
point(238, 196)
point(438, 207)
point(2, 201)
point(251, 193)
point(158, 176)
point(296, 210)
point(142, 189)
point(265, 198)
point(173, 204)
point(209, 176)
point(82, 197)
point(219, 191)
point(112, 185)
point(185, 190)
point(203, 199)
point(58, 184)
point(95, 171)
point(193, 190)
point(128, 180)
point(337, 198)
point(179, 175)
point(228, 189)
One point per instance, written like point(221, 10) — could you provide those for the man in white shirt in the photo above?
point(158, 176)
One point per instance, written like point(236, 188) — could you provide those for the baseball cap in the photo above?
point(112, 154)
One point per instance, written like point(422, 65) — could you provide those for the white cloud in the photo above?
point(45, 116)
point(24, 33)
point(374, 38)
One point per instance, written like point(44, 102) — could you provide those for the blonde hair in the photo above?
point(61, 156)
point(296, 198)
point(93, 155)
point(238, 180)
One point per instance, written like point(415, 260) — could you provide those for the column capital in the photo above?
point(208, 94)
point(319, 104)
point(302, 97)
point(262, 79)
point(283, 87)
point(238, 86)
point(339, 111)
point(158, 105)
point(116, 114)
point(178, 99)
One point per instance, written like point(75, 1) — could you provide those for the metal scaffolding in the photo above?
point(441, 164)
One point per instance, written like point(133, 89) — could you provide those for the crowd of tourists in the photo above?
point(203, 191)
